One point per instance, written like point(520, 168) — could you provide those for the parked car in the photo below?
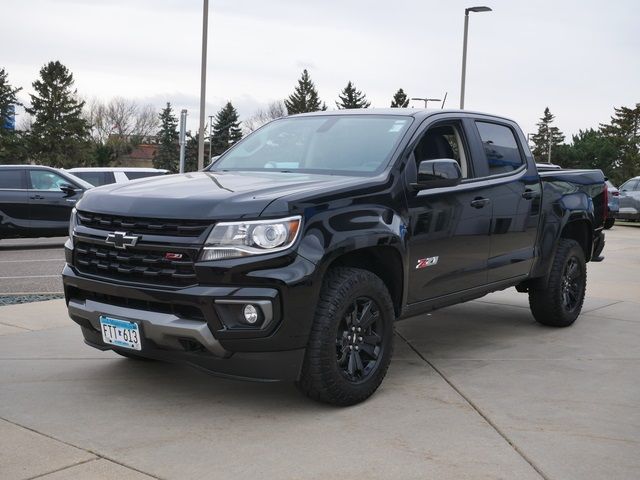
point(292, 255)
point(629, 200)
point(98, 176)
point(36, 201)
point(613, 205)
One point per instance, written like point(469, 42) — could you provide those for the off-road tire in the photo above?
point(556, 304)
point(322, 377)
point(608, 223)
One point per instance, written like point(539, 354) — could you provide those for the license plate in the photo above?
point(120, 333)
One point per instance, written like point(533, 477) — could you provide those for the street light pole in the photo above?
point(464, 48)
point(182, 137)
point(203, 82)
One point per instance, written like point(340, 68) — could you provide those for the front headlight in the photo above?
point(241, 239)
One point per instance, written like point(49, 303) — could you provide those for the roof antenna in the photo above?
point(444, 100)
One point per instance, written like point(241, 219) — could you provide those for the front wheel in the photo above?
point(559, 302)
point(608, 223)
point(351, 341)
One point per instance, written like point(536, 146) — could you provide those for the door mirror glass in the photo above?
point(441, 172)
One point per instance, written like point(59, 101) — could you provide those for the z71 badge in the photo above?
point(426, 262)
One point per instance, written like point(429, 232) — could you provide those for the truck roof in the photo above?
point(420, 113)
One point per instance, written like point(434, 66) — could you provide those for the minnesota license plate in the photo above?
point(120, 333)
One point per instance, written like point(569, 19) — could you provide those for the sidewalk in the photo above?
point(478, 390)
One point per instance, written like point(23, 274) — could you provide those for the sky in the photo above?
point(579, 58)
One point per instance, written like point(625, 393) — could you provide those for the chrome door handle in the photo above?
point(480, 202)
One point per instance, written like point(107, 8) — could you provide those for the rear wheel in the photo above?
point(608, 223)
point(559, 302)
point(351, 341)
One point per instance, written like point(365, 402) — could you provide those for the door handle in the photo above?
point(37, 197)
point(480, 202)
point(530, 194)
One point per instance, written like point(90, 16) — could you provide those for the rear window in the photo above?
point(11, 179)
point(96, 178)
point(136, 175)
point(500, 148)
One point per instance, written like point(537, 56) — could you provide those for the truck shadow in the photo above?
point(466, 331)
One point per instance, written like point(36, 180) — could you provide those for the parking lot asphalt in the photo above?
point(31, 265)
point(475, 391)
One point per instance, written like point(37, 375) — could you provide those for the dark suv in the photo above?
point(36, 201)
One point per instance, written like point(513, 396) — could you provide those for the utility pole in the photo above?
point(210, 138)
point(203, 82)
point(182, 137)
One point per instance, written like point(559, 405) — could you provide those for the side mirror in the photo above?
point(442, 172)
point(69, 189)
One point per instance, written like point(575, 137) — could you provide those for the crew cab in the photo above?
point(290, 257)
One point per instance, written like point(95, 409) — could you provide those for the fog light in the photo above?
point(250, 314)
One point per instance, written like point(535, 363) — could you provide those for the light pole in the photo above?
point(464, 47)
point(426, 100)
point(203, 82)
point(181, 138)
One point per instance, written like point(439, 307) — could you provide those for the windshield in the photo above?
point(349, 144)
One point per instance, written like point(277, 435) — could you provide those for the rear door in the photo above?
point(449, 227)
point(14, 203)
point(50, 207)
point(515, 193)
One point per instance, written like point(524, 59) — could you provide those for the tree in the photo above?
point(400, 100)
point(547, 138)
point(12, 149)
point(274, 110)
point(119, 126)
point(59, 134)
point(168, 154)
point(624, 132)
point(191, 152)
point(352, 98)
point(589, 149)
point(305, 97)
point(226, 129)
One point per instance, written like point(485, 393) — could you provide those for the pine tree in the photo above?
point(59, 134)
point(12, 148)
point(547, 138)
point(400, 100)
point(624, 132)
point(168, 154)
point(305, 97)
point(352, 98)
point(226, 129)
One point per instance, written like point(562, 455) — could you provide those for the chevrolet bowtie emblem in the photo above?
point(121, 240)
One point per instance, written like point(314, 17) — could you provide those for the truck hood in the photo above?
point(206, 195)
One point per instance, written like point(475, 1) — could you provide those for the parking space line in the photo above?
point(30, 276)
point(476, 408)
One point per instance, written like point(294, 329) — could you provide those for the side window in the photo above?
point(631, 185)
point(500, 148)
point(46, 180)
point(95, 178)
point(11, 179)
point(443, 141)
point(137, 175)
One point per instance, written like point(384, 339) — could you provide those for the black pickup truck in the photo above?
point(290, 257)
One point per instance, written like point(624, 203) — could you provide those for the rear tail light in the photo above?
point(616, 194)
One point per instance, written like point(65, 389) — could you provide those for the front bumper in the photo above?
point(188, 325)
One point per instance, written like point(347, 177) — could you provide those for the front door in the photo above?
point(449, 229)
point(50, 207)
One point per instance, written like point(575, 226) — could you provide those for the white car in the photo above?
point(98, 176)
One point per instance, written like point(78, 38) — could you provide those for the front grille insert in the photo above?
point(138, 265)
point(149, 226)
